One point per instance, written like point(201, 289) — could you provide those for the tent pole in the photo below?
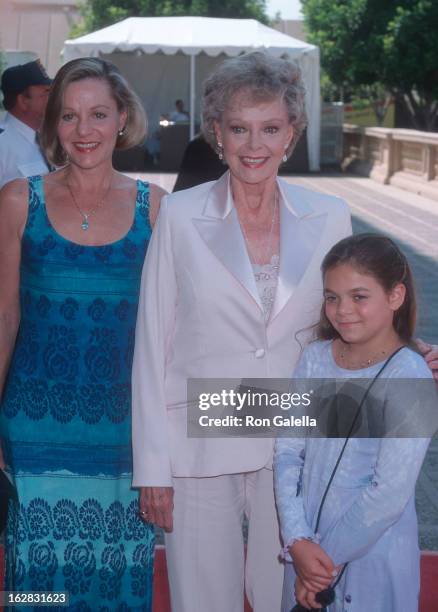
point(192, 97)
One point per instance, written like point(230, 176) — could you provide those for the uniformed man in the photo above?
point(25, 92)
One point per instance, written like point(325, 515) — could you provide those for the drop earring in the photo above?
point(284, 158)
point(121, 131)
point(220, 151)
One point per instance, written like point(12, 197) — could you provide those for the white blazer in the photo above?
point(200, 316)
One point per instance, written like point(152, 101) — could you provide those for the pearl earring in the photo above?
point(121, 131)
point(220, 152)
point(285, 157)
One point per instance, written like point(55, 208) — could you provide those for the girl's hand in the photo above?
point(430, 354)
point(156, 506)
point(305, 597)
point(312, 564)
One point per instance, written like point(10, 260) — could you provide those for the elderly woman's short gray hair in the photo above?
point(135, 128)
point(262, 77)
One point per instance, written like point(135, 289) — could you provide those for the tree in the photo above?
point(411, 59)
point(100, 13)
point(380, 45)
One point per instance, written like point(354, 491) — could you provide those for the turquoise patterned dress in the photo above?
point(66, 419)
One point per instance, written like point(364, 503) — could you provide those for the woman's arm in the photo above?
point(157, 193)
point(430, 354)
point(13, 213)
point(155, 320)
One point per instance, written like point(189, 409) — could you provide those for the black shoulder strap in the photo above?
point(356, 416)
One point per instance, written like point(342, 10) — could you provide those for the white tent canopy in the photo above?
point(139, 46)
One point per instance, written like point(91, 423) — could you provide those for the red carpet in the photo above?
point(428, 596)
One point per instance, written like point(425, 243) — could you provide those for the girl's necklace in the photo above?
point(86, 215)
point(263, 259)
point(364, 363)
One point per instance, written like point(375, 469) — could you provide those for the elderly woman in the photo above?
point(232, 273)
point(71, 250)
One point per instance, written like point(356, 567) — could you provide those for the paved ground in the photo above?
point(412, 221)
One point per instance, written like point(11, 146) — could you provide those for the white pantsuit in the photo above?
point(208, 535)
point(200, 316)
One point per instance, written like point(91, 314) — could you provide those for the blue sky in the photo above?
point(289, 9)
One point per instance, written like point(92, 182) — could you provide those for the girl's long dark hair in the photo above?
point(380, 257)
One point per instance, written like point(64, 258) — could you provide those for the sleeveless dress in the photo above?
point(66, 419)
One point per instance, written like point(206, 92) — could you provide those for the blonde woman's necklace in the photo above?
point(86, 215)
point(263, 259)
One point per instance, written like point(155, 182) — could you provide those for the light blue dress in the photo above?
point(368, 518)
point(66, 419)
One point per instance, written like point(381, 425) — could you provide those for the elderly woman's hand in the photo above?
point(430, 354)
point(156, 506)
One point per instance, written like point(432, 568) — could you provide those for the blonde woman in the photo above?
point(71, 250)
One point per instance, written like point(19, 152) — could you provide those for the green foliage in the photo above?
point(411, 58)
point(329, 90)
point(385, 46)
point(100, 13)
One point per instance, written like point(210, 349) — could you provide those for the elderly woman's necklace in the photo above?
point(263, 259)
point(86, 215)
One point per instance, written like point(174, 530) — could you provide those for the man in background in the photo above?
point(179, 115)
point(200, 164)
point(25, 93)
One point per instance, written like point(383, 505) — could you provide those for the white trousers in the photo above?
point(205, 552)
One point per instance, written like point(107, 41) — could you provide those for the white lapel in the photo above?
point(219, 228)
point(300, 230)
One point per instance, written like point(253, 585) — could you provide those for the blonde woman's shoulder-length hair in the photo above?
point(127, 100)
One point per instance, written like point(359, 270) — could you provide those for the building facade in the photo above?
point(37, 26)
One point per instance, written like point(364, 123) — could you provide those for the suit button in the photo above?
point(348, 598)
point(259, 353)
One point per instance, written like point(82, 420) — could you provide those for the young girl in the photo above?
point(368, 519)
